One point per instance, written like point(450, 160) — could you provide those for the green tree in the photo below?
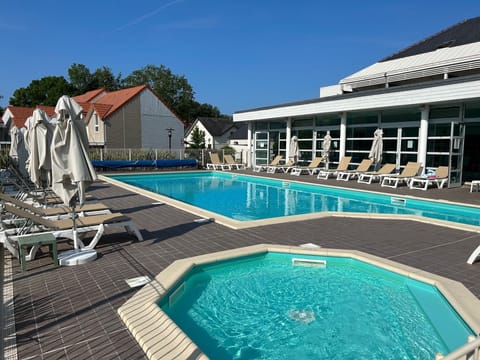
point(45, 91)
point(105, 79)
point(204, 110)
point(173, 89)
point(81, 79)
point(198, 139)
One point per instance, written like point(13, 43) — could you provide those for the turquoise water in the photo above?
point(243, 197)
point(264, 307)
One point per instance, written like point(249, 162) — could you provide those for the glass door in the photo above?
point(455, 161)
point(261, 148)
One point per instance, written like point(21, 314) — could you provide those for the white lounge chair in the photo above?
point(233, 164)
point(474, 256)
point(56, 211)
point(274, 162)
point(410, 171)
point(475, 185)
point(342, 166)
point(62, 228)
point(311, 168)
point(350, 174)
point(272, 169)
point(369, 176)
point(439, 179)
point(216, 164)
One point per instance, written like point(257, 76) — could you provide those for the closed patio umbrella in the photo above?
point(72, 171)
point(39, 138)
point(326, 145)
point(377, 148)
point(18, 153)
point(294, 150)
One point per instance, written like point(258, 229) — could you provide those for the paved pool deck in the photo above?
point(71, 312)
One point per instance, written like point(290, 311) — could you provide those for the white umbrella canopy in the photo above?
point(377, 147)
point(72, 171)
point(18, 152)
point(38, 139)
point(294, 150)
point(326, 145)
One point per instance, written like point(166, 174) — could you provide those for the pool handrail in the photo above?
point(470, 351)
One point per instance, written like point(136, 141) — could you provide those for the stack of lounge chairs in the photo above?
point(20, 218)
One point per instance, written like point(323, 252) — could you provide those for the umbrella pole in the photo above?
point(74, 227)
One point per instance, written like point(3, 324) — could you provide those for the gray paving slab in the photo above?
point(70, 312)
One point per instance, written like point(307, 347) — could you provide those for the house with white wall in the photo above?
point(132, 118)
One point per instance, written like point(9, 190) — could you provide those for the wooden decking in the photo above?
point(70, 312)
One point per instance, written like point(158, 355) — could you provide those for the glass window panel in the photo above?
point(278, 125)
point(389, 145)
point(323, 121)
point(259, 125)
point(303, 122)
point(437, 160)
point(443, 113)
point(359, 144)
point(438, 145)
point(389, 158)
point(472, 110)
point(405, 158)
point(305, 134)
point(410, 132)
point(401, 115)
point(261, 135)
point(390, 132)
point(439, 129)
point(362, 118)
point(305, 144)
point(361, 132)
point(409, 145)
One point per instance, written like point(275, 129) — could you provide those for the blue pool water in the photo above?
point(244, 198)
point(265, 307)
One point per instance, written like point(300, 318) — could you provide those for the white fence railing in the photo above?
point(469, 351)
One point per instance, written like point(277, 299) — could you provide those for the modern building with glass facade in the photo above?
point(425, 98)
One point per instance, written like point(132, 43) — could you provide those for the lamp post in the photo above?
point(170, 130)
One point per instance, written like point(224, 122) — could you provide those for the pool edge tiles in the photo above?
point(160, 337)
point(236, 224)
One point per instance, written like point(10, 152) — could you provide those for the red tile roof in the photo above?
point(21, 113)
point(106, 103)
point(116, 99)
point(89, 96)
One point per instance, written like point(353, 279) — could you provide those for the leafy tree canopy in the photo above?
point(45, 91)
point(173, 89)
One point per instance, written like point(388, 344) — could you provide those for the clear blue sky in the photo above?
point(236, 54)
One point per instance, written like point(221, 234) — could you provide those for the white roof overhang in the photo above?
point(440, 61)
point(449, 92)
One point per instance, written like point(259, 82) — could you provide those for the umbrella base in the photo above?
point(76, 257)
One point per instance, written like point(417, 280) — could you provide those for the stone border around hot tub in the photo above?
point(160, 337)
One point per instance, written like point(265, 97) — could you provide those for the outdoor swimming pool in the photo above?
point(245, 198)
point(289, 306)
